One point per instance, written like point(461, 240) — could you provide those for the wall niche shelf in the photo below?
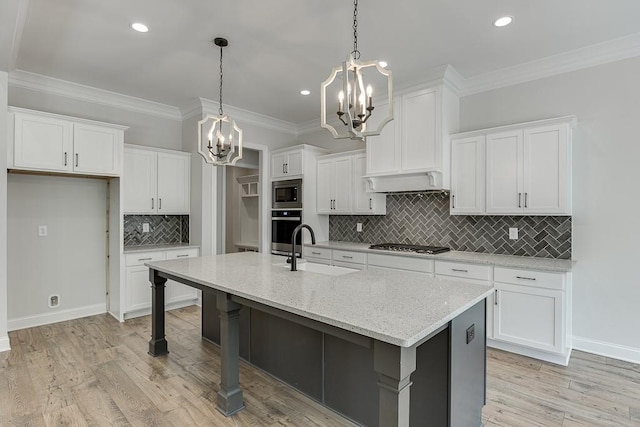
point(249, 185)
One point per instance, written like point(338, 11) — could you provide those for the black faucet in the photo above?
point(293, 243)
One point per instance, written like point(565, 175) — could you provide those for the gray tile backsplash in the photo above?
point(424, 219)
point(163, 229)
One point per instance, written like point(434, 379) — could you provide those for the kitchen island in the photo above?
point(414, 343)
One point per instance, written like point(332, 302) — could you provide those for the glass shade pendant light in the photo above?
point(351, 88)
point(219, 137)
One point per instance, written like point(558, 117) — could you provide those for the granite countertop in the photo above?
point(400, 308)
point(162, 247)
point(510, 261)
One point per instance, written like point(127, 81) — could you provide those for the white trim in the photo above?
point(559, 359)
point(589, 56)
point(58, 316)
point(5, 344)
point(39, 83)
point(614, 351)
point(168, 306)
point(12, 109)
point(21, 18)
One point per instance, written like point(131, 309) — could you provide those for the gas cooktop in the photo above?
point(399, 247)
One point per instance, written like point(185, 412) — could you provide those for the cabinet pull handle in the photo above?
point(152, 203)
point(525, 199)
point(519, 198)
point(76, 159)
point(159, 204)
point(525, 278)
point(370, 204)
point(453, 201)
point(145, 259)
point(347, 257)
point(286, 168)
point(495, 298)
point(283, 171)
point(182, 256)
point(316, 253)
point(460, 270)
point(65, 158)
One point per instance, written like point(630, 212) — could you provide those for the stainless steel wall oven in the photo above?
point(283, 223)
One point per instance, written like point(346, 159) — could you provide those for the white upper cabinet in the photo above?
point(334, 185)
point(156, 181)
point(53, 143)
point(468, 175)
point(287, 164)
point(528, 169)
point(412, 152)
point(365, 202)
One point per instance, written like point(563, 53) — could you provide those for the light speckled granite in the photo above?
point(400, 308)
point(510, 261)
point(165, 247)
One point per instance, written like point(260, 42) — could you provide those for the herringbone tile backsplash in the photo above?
point(423, 219)
point(163, 229)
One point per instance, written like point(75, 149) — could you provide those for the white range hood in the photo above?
point(407, 182)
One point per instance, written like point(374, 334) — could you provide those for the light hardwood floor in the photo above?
point(95, 372)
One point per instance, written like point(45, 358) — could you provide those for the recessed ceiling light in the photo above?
point(305, 92)
point(140, 27)
point(383, 64)
point(503, 21)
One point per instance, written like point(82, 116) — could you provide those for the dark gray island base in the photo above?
point(437, 381)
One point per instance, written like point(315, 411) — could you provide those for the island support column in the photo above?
point(230, 396)
point(394, 366)
point(158, 342)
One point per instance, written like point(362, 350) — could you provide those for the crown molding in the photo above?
point(202, 106)
point(39, 83)
point(578, 59)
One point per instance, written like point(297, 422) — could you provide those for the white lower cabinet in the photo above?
point(532, 309)
point(138, 287)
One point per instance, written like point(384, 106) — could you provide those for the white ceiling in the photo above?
point(278, 47)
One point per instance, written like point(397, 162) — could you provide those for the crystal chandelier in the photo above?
point(219, 137)
point(354, 98)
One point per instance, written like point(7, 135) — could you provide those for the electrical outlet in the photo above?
point(42, 230)
point(359, 227)
point(471, 333)
point(513, 233)
point(145, 227)
point(54, 301)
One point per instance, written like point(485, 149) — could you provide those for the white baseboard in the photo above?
point(168, 306)
point(56, 316)
point(615, 351)
point(5, 345)
point(558, 359)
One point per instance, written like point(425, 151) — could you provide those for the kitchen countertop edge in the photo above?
point(162, 247)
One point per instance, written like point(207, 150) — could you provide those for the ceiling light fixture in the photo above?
point(355, 103)
point(305, 92)
point(503, 21)
point(227, 149)
point(140, 27)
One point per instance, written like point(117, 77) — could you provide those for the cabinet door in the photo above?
point(42, 143)
point(177, 291)
point(504, 172)
point(467, 175)
point(383, 151)
point(342, 186)
point(293, 164)
point(138, 295)
point(421, 131)
point(139, 181)
point(277, 165)
point(529, 316)
point(97, 150)
point(173, 183)
point(324, 188)
point(546, 170)
point(362, 201)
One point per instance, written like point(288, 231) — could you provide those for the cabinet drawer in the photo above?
point(347, 256)
point(313, 252)
point(400, 262)
point(182, 253)
point(355, 266)
point(470, 271)
point(539, 279)
point(139, 258)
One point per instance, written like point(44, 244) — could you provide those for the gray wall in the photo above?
point(606, 149)
point(4, 338)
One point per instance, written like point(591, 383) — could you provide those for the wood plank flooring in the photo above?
point(96, 372)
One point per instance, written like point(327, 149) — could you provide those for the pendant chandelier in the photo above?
point(354, 97)
point(219, 137)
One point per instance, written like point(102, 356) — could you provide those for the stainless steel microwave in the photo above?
point(287, 194)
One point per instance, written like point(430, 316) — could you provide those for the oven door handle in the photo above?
point(290, 218)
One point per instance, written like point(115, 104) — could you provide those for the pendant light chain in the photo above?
point(356, 52)
point(220, 104)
